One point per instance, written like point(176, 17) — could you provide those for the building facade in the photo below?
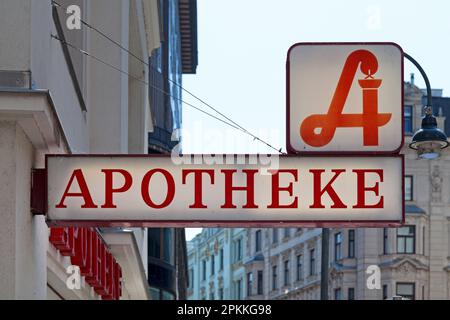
point(216, 264)
point(285, 263)
point(176, 55)
point(413, 260)
point(55, 99)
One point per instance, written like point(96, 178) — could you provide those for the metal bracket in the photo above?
point(38, 191)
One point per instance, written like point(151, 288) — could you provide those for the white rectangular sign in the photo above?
point(345, 98)
point(243, 191)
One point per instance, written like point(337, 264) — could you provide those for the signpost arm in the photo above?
point(425, 78)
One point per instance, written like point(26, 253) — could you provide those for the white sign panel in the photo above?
point(345, 98)
point(235, 190)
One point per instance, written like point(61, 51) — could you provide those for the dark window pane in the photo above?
point(408, 125)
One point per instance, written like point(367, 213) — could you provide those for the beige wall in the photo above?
point(33, 124)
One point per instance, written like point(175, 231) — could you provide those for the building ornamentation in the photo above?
point(436, 184)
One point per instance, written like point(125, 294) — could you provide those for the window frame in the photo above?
point(411, 193)
point(260, 282)
point(406, 237)
point(274, 278)
point(275, 235)
point(203, 269)
point(351, 293)
point(351, 243)
point(385, 241)
point(286, 272)
point(337, 292)
point(258, 241)
point(312, 262)
point(213, 265)
point(413, 284)
point(385, 291)
point(338, 246)
point(249, 283)
point(221, 259)
point(299, 267)
point(411, 119)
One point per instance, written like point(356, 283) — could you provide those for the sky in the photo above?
point(242, 46)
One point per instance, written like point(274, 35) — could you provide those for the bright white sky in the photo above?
point(242, 46)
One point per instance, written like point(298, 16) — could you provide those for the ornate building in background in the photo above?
point(215, 264)
point(414, 260)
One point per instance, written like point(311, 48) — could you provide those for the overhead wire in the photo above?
point(229, 121)
point(73, 47)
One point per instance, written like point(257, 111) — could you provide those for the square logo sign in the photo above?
point(345, 98)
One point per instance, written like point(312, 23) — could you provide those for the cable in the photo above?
point(140, 80)
point(235, 124)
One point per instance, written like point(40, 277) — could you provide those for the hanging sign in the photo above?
point(345, 98)
point(228, 190)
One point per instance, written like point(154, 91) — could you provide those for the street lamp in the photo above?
point(429, 139)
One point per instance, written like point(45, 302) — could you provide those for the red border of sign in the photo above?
point(291, 150)
point(227, 223)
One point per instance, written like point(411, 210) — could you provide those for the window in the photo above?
point(408, 123)
point(385, 291)
point(260, 282)
point(274, 235)
point(286, 272)
point(406, 290)
point(408, 188)
point(312, 262)
point(211, 295)
point(249, 283)
point(299, 267)
point(351, 243)
point(191, 278)
point(239, 289)
point(385, 241)
point(337, 246)
point(337, 294)
point(213, 264)
point(238, 250)
point(203, 269)
point(221, 259)
point(423, 240)
point(351, 294)
point(258, 241)
point(274, 277)
point(287, 232)
point(161, 244)
point(406, 239)
point(220, 293)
